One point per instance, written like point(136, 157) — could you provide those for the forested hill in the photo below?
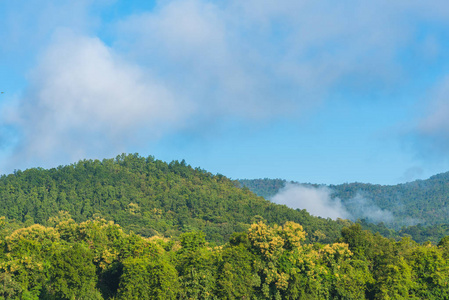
point(149, 197)
point(420, 201)
point(67, 258)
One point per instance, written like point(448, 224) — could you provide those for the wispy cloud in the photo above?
point(431, 135)
point(411, 174)
point(199, 62)
point(362, 208)
point(199, 50)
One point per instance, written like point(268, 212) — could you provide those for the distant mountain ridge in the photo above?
point(423, 202)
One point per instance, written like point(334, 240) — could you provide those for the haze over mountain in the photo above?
point(420, 201)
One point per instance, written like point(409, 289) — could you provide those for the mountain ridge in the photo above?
point(421, 201)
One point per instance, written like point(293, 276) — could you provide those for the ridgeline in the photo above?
point(149, 197)
point(419, 209)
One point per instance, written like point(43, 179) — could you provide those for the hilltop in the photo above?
point(149, 197)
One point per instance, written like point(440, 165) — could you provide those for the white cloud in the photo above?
point(192, 45)
point(317, 201)
point(83, 99)
point(202, 61)
point(266, 59)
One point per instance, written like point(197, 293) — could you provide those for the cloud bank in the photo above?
point(108, 85)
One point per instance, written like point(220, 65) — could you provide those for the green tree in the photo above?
point(196, 265)
point(148, 277)
point(431, 272)
point(236, 277)
point(73, 274)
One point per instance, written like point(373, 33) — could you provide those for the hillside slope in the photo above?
point(149, 197)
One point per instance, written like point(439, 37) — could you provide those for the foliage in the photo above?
point(97, 260)
point(60, 238)
point(146, 196)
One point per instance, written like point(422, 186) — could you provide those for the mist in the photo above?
point(318, 201)
point(362, 208)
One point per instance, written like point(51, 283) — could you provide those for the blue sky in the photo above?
point(311, 91)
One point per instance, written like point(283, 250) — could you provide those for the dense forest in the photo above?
point(152, 197)
point(139, 228)
point(149, 197)
point(420, 201)
point(96, 259)
point(419, 208)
